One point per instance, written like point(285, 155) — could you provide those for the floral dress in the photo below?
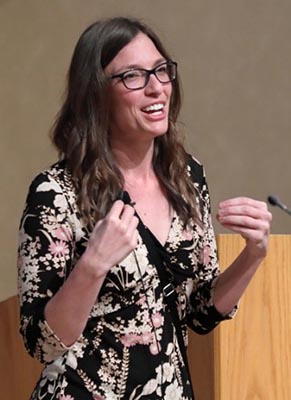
point(128, 349)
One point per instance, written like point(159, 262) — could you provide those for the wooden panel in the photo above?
point(253, 359)
point(201, 362)
point(19, 372)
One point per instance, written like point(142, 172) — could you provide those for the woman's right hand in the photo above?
point(112, 239)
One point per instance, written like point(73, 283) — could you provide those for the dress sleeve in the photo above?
point(203, 316)
point(45, 254)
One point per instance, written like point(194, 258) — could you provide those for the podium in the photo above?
point(18, 371)
point(247, 358)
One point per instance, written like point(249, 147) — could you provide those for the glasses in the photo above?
point(138, 78)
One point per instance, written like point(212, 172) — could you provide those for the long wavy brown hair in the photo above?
point(81, 129)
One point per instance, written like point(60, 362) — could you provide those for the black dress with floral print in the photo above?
point(128, 349)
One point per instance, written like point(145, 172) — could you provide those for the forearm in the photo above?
point(251, 219)
point(68, 310)
point(233, 282)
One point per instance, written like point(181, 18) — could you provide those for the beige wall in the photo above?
point(235, 62)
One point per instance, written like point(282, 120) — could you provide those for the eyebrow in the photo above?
point(138, 66)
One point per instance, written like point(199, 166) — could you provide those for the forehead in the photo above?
point(140, 52)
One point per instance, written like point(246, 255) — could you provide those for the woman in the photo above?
point(121, 225)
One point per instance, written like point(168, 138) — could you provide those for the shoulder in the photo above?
point(56, 178)
point(196, 170)
point(52, 193)
point(52, 184)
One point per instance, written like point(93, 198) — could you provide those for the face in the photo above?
point(138, 114)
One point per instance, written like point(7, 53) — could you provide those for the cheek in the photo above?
point(129, 106)
point(127, 113)
point(127, 102)
point(124, 112)
point(169, 90)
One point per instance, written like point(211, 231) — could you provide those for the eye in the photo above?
point(132, 75)
point(162, 69)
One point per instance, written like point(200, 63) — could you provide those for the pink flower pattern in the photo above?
point(146, 338)
point(157, 320)
point(62, 233)
point(205, 255)
point(59, 248)
point(129, 340)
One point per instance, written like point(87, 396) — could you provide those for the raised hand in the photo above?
point(112, 239)
point(250, 218)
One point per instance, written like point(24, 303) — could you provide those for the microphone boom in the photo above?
point(275, 201)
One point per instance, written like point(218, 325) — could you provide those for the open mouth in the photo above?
point(154, 109)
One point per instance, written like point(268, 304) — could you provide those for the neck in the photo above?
point(134, 159)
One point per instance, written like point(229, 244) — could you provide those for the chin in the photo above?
point(159, 131)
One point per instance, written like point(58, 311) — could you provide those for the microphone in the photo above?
point(124, 196)
point(274, 201)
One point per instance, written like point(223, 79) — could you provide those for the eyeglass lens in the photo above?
point(138, 78)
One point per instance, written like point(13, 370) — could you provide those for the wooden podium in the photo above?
point(247, 358)
point(18, 371)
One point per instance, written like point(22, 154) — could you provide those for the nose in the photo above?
point(153, 85)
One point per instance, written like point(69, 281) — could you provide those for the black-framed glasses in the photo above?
point(137, 78)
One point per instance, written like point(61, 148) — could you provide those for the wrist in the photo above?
point(256, 251)
point(92, 268)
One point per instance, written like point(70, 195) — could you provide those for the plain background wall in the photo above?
point(234, 59)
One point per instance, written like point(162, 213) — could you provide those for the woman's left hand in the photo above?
point(251, 219)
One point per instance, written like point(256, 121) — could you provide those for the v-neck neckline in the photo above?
point(125, 197)
point(167, 241)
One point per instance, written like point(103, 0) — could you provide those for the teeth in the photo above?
point(154, 107)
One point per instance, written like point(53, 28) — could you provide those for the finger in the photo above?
point(245, 221)
point(132, 226)
point(116, 209)
point(136, 238)
point(130, 229)
point(127, 214)
point(246, 201)
point(248, 233)
point(129, 232)
point(246, 210)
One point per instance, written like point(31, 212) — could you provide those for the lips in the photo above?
point(154, 108)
